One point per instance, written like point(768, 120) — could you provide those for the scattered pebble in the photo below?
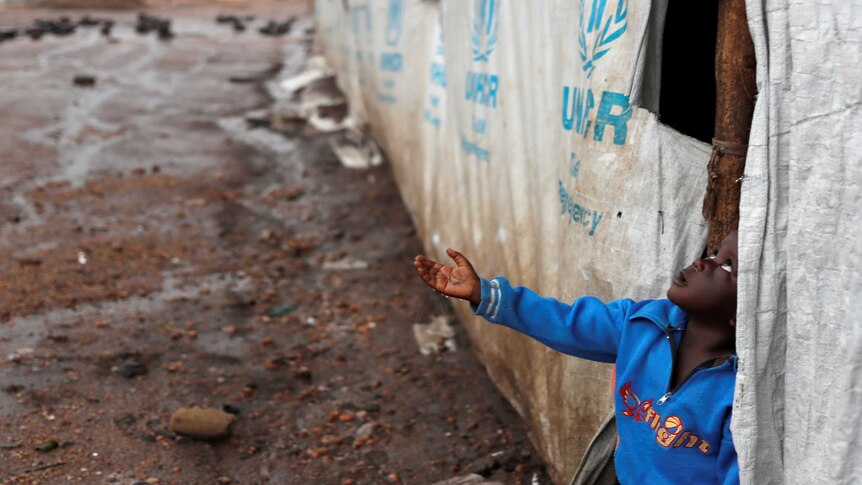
point(201, 423)
point(47, 446)
point(129, 366)
point(84, 81)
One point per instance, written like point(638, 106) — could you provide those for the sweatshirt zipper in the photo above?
point(669, 333)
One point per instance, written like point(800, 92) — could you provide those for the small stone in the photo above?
point(130, 366)
point(201, 423)
point(47, 446)
point(485, 466)
point(365, 430)
point(304, 374)
point(372, 408)
point(84, 81)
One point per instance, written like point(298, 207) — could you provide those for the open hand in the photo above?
point(459, 282)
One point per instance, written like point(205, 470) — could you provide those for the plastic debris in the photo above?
point(201, 423)
point(315, 69)
point(8, 34)
point(471, 479)
point(345, 264)
point(281, 310)
point(277, 29)
point(356, 150)
point(435, 337)
point(47, 446)
point(238, 24)
point(151, 23)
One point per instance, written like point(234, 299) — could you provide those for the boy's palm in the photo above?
point(458, 282)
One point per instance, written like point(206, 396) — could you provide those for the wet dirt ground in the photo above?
point(151, 259)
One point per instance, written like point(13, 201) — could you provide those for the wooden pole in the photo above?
point(735, 70)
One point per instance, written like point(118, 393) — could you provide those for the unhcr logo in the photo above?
point(393, 61)
point(484, 31)
point(396, 22)
point(599, 31)
point(600, 27)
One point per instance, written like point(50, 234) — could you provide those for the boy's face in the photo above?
point(706, 289)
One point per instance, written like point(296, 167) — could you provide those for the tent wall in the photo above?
point(510, 131)
point(798, 392)
point(515, 136)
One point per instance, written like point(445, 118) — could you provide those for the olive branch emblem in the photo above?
point(396, 22)
point(484, 30)
point(603, 31)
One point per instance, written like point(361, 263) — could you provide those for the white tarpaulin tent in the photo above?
point(515, 133)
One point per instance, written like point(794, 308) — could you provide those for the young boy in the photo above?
point(675, 360)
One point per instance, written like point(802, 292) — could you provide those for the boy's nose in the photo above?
point(700, 264)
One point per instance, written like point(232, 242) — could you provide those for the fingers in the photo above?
point(423, 264)
point(459, 258)
point(428, 270)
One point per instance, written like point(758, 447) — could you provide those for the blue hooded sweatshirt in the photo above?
point(666, 436)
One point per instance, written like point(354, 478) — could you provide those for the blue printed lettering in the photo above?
point(471, 148)
point(479, 126)
point(577, 112)
point(589, 219)
point(597, 218)
point(438, 74)
point(619, 121)
point(431, 119)
point(614, 110)
point(482, 88)
point(387, 98)
point(391, 62)
point(574, 166)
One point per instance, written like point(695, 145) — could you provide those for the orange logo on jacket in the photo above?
point(668, 431)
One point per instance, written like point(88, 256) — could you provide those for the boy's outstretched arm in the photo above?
point(587, 328)
point(462, 281)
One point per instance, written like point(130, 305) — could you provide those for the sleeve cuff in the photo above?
point(489, 306)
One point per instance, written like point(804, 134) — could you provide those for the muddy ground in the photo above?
point(150, 259)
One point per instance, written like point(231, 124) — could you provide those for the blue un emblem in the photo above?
point(484, 31)
point(396, 22)
point(599, 30)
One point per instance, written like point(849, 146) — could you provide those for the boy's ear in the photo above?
point(733, 323)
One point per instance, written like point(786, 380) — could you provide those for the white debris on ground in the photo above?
point(437, 336)
point(344, 264)
point(314, 97)
point(356, 150)
point(315, 69)
point(472, 479)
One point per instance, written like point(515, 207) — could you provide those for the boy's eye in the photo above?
point(727, 267)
